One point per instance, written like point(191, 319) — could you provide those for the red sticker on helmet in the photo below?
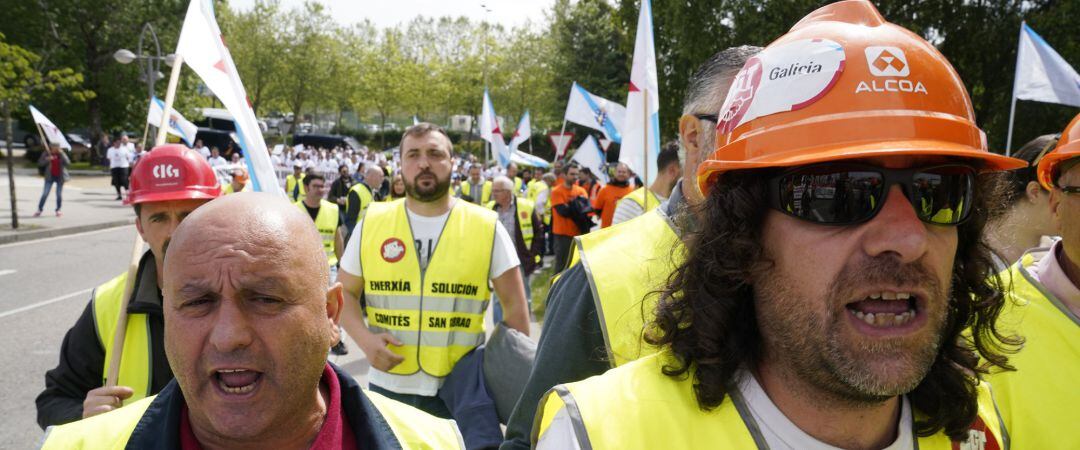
point(392, 250)
point(783, 78)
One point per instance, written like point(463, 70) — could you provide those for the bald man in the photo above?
point(247, 339)
point(362, 195)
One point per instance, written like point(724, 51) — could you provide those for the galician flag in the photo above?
point(489, 131)
point(641, 132)
point(52, 132)
point(178, 125)
point(589, 155)
point(522, 133)
point(203, 49)
point(598, 113)
point(1042, 74)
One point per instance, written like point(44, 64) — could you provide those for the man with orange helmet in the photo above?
point(835, 261)
point(1039, 399)
point(166, 185)
point(237, 184)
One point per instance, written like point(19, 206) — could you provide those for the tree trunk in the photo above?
point(10, 165)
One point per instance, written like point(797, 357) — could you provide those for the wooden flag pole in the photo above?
point(120, 335)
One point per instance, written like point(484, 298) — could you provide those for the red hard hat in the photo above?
point(842, 84)
point(172, 172)
point(1068, 147)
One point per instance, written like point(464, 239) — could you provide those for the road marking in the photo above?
point(44, 303)
point(66, 236)
point(7, 272)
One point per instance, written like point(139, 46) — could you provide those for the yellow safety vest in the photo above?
point(533, 189)
point(294, 187)
point(625, 264)
point(638, 196)
point(1040, 399)
point(414, 429)
point(327, 223)
point(517, 186)
point(365, 195)
point(137, 357)
point(524, 215)
point(437, 313)
point(228, 189)
point(636, 406)
point(485, 192)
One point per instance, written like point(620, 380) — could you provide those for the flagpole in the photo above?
point(41, 134)
point(145, 130)
point(562, 131)
point(1012, 112)
point(137, 247)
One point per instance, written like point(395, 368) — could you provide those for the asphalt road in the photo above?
point(44, 286)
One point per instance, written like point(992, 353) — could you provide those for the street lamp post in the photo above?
point(151, 62)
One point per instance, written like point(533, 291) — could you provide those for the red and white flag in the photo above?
point(489, 131)
point(641, 132)
point(204, 50)
point(52, 132)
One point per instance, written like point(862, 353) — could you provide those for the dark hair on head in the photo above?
point(668, 155)
point(423, 129)
point(343, 166)
point(1031, 152)
point(706, 313)
point(312, 176)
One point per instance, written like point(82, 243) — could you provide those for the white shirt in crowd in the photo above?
point(217, 161)
point(426, 232)
point(627, 209)
point(120, 156)
point(779, 431)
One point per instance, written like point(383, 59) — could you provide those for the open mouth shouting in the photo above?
point(888, 312)
point(237, 382)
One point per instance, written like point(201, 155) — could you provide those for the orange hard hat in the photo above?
point(843, 83)
point(1068, 147)
point(172, 172)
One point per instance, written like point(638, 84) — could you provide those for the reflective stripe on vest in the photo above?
point(326, 222)
point(485, 192)
point(638, 196)
point(413, 428)
point(438, 313)
point(136, 359)
point(524, 218)
point(366, 198)
point(619, 410)
point(1039, 399)
point(625, 264)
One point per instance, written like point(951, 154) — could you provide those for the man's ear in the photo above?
point(1055, 205)
point(1033, 191)
point(335, 301)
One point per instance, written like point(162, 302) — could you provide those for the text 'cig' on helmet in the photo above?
point(172, 172)
point(1068, 147)
point(841, 84)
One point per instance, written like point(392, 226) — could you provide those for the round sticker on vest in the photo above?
point(392, 250)
point(787, 77)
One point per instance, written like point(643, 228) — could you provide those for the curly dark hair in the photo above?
point(706, 314)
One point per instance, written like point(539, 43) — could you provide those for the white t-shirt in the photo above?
point(204, 151)
point(119, 157)
point(779, 431)
point(217, 161)
point(426, 232)
point(626, 209)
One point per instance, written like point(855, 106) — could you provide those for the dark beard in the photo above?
point(441, 188)
point(618, 183)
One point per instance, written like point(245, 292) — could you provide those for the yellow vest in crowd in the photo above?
point(327, 223)
point(534, 188)
point(1040, 400)
point(437, 313)
point(294, 187)
point(365, 195)
point(135, 360)
point(625, 264)
point(636, 406)
point(485, 192)
point(412, 428)
point(638, 196)
point(524, 215)
point(228, 189)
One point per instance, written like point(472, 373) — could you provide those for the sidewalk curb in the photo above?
point(19, 236)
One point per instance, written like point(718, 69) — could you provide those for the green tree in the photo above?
point(256, 44)
point(23, 72)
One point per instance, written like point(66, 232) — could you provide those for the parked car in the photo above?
point(326, 141)
point(218, 138)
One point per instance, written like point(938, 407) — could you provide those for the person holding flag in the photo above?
point(167, 184)
point(55, 163)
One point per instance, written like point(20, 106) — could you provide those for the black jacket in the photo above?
point(159, 427)
point(82, 356)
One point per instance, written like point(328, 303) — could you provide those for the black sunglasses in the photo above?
point(709, 117)
point(852, 193)
point(1070, 189)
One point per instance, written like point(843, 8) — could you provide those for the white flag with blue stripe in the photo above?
point(178, 125)
point(595, 112)
point(1042, 74)
point(641, 133)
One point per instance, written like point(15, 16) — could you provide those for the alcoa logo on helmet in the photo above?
point(888, 62)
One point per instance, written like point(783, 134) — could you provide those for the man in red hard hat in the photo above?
point(835, 264)
point(167, 184)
